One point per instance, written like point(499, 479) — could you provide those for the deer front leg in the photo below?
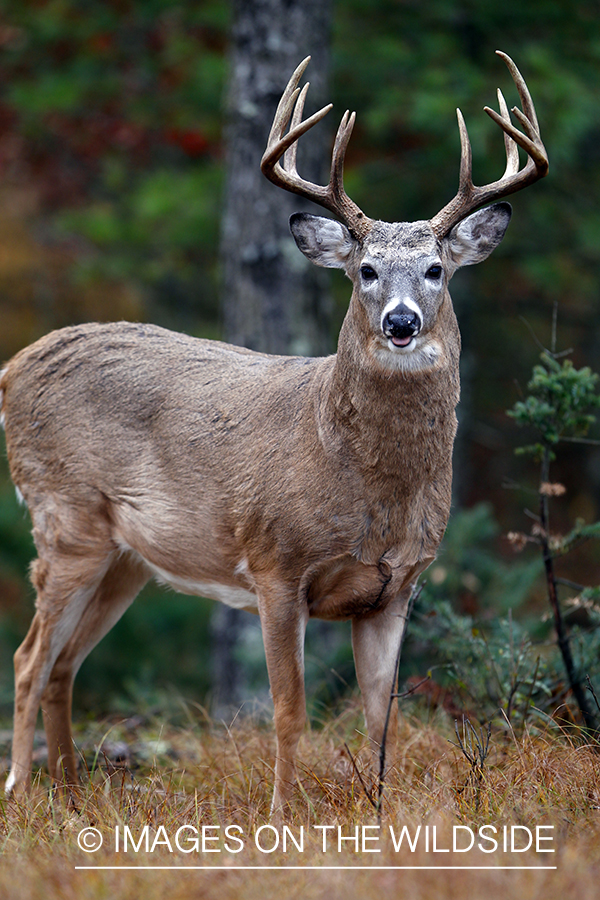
point(375, 643)
point(283, 621)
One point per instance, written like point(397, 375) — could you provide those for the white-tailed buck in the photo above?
point(291, 487)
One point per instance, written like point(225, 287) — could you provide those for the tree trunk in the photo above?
point(273, 299)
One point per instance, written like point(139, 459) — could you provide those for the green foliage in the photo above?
point(486, 659)
point(121, 109)
point(487, 664)
point(157, 655)
point(560, 545)
point(492, 662)
point(558, 402)
point(160, 229)
point(469, 565)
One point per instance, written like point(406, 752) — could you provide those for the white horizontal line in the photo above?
point(318, 868)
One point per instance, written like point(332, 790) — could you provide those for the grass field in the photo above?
point(199, 797)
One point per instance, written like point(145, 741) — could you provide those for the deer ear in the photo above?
point(324, 241)
point(473, 239)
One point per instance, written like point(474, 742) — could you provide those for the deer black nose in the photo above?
point(401, 323)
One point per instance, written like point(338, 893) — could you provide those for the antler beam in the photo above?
point(470, 197)
point(285, 174)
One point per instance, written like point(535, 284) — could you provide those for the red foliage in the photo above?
point(192, 142)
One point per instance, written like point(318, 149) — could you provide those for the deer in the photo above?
point(291, 487)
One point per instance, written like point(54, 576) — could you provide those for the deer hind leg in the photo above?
point(64, 586)
point(75, 556)
point(116, 592)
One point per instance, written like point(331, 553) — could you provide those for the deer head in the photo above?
point(400, 271)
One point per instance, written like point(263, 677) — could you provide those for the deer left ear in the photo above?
point(473, 239)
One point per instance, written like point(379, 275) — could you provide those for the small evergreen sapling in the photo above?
point(558, 409)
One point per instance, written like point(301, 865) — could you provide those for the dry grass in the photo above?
point(216, 778)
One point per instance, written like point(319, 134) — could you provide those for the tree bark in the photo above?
point(273, 299)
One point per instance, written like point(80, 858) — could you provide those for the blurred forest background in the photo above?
point(117, 119)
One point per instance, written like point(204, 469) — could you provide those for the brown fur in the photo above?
point(300, 487)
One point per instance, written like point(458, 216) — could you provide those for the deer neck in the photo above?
point(394, 431)
point(382, 412)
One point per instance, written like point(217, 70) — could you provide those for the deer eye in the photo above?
point(434, 272)
point(368, 273)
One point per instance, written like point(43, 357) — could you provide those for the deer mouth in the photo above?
point(403, 346)
point(402, 341)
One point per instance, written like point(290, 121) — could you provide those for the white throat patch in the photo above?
point(419, 355)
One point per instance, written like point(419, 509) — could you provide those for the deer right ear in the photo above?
point(324, 241)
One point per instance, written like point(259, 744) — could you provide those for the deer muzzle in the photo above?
point(401, 325)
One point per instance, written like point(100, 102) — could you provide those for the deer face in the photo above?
point(400, 272)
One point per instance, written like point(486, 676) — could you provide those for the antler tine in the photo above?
point(284, 172)
point(289, 158)
point(521, 85)
point(280, 143)
point(465, 178)
point(469, 197)
point(342, 139)
point(512, 151)
point(286, 103)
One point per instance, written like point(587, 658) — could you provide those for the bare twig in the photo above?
point(413, 689)
point(414, 596)
point(368, 794)
point(510, 485)
point(533, 683)
point(475, 748)
point(590, 688)
point(533, 335)
point(566, 582)
point(554, 323)
point(580, 440)
point(562, 636)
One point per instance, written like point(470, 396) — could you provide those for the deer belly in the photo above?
point(230, 595)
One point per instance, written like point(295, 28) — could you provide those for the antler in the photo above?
point(469, 197)
point(285, 175)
